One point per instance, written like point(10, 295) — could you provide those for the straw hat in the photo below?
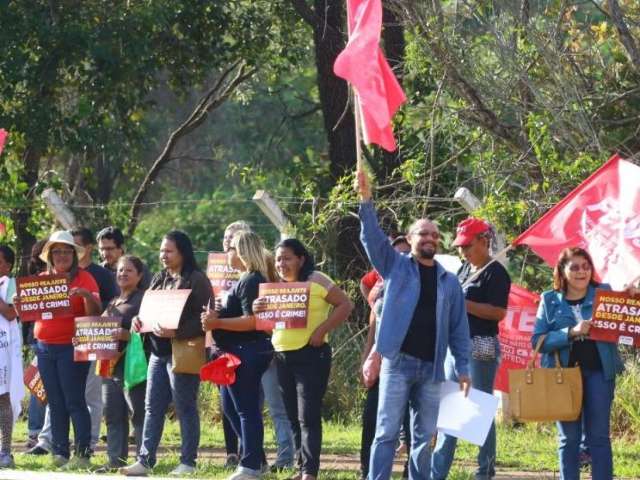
point(61, 236)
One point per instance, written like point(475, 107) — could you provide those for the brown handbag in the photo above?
point(187, 355)
point(545, 394)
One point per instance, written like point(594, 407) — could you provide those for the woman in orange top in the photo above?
point(65, 380)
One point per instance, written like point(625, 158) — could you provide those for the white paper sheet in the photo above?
point(468, 418)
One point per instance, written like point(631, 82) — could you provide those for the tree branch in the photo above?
point(215, 96)
point(627, 40)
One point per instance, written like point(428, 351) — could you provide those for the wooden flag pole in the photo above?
point(358, 125)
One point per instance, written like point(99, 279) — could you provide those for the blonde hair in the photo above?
point(253, 254)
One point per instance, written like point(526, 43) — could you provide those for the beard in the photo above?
point(426, 254)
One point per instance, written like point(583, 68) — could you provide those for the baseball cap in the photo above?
point(468, 229)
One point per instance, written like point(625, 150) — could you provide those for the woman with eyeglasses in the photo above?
point(564, 317)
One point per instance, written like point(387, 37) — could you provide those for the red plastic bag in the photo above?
point(222, 370)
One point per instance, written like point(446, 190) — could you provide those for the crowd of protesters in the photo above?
point(427, 325)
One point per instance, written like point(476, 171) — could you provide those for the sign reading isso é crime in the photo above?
point(616, 318)
point(287, 305)
point(43, 297)
point(94, 338)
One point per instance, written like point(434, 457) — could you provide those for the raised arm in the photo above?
point(379, 250)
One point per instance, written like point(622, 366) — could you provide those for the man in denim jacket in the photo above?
point(423, 315)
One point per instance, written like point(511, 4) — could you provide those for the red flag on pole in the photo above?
point(515, 334)
point(602, 215)
point(363, 64)
point(3, 138)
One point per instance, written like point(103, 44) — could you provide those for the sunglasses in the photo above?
point(576, 267)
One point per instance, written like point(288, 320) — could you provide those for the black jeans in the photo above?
point(303, 376)
point(369, 414)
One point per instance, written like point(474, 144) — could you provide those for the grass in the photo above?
point(529, 448)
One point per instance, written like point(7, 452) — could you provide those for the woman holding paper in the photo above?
point(116, 398)
point(163, 383)
point(64, 379)
point(234, 332)
point(564, 316)
point(303, 356)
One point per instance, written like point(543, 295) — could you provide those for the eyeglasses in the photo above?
point(575, 267)
point(61, 252)
point(426, 233)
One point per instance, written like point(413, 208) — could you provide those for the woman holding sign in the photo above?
point(65, 380)
point(303, 356)
point(117, 399)
point(168, 350)
point(234, 331)
point(564, 316)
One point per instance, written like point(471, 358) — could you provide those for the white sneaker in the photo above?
point(240, 475)
point(135, 470)
point(183, 469)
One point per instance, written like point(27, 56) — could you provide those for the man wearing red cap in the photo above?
point(486, 286)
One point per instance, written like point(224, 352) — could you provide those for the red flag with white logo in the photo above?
point(602, 215)
point(363, 64)
point(515, 334)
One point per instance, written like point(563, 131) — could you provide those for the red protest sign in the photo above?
point(94, 338)
point(43, 297)
point(515, 334)
point(33, 382)
point(616, 318)
point(222, 276)
point(287, 305)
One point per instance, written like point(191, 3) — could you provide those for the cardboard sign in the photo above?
point(33, 381)
point(43, 297)
point(163, 308)
point(287, 306)
point(222, 276)
point(616, 318)
point(94, 338)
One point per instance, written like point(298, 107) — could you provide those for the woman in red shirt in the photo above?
point(65, 380)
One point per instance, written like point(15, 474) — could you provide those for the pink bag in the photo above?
point(371, 368)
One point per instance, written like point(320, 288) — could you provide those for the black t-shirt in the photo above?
point(240, 303)
point(583, 352)
point(125, 309)
point(491, 286)
point(106, 283)
point(420, 341)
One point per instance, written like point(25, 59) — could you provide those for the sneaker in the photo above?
point(240, 475)
point(137, 469)
point(37, 450)
point(231, 461)
point(183, 469)
point(6, 460)
point(59, 460)
point(77, 463)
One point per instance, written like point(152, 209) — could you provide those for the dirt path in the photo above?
point(344, 462)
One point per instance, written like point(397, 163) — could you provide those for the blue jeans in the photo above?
point(36, 416)
point(278, 413)
point(65, 381)
point(405, 379)
point(241, 400)
point(596, 410)
point(483, 375)
point(163, 386)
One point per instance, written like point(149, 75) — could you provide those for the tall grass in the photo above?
point(625, 418)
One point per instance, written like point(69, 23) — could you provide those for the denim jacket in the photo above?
point(402, 291)
point(555, 318)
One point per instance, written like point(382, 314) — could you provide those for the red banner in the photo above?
point(515, 334)
point(601, 215)
point(43, 297)
point(3, 138)
point(33, 381)
point(287, 306)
